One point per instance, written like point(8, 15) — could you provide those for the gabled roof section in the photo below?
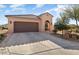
point(46, 13)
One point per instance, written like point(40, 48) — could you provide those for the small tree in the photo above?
point(73, 13)
point(61, 27)
point(61, 24)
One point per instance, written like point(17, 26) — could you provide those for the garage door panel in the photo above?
point(25, 27)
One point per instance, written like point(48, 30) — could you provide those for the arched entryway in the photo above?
point(47, 25)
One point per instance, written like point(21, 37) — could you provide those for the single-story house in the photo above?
point(30, 23)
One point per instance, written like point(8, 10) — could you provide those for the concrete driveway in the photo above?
point(38, 43)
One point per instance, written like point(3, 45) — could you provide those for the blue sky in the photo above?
point(36, 9)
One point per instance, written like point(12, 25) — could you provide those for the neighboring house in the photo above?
point(30, 23)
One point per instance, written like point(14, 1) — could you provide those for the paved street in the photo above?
point(38, 44)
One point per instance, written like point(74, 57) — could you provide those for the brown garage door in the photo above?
point(25, 27)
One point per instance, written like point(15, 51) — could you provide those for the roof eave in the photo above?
point(46, 12)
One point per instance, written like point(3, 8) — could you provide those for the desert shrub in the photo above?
point(55, 31)
point(77, 30)
point(4, 28)
point(61, 26)
point(2, 36)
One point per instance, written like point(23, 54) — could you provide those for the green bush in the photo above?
point(61, 26)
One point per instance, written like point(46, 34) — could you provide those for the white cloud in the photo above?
point(15, 11)
point(49, 10)
point(15, 8)
point(2, 6)
point(57, 10)
point(18, 9)
point(60, 8)
point(16, 5)
point(1, 10)
point(3, 20)
point(38, 6)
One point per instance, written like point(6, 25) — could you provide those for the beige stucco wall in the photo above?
point(41, 20)
point(13, 19)
point(44, 18)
